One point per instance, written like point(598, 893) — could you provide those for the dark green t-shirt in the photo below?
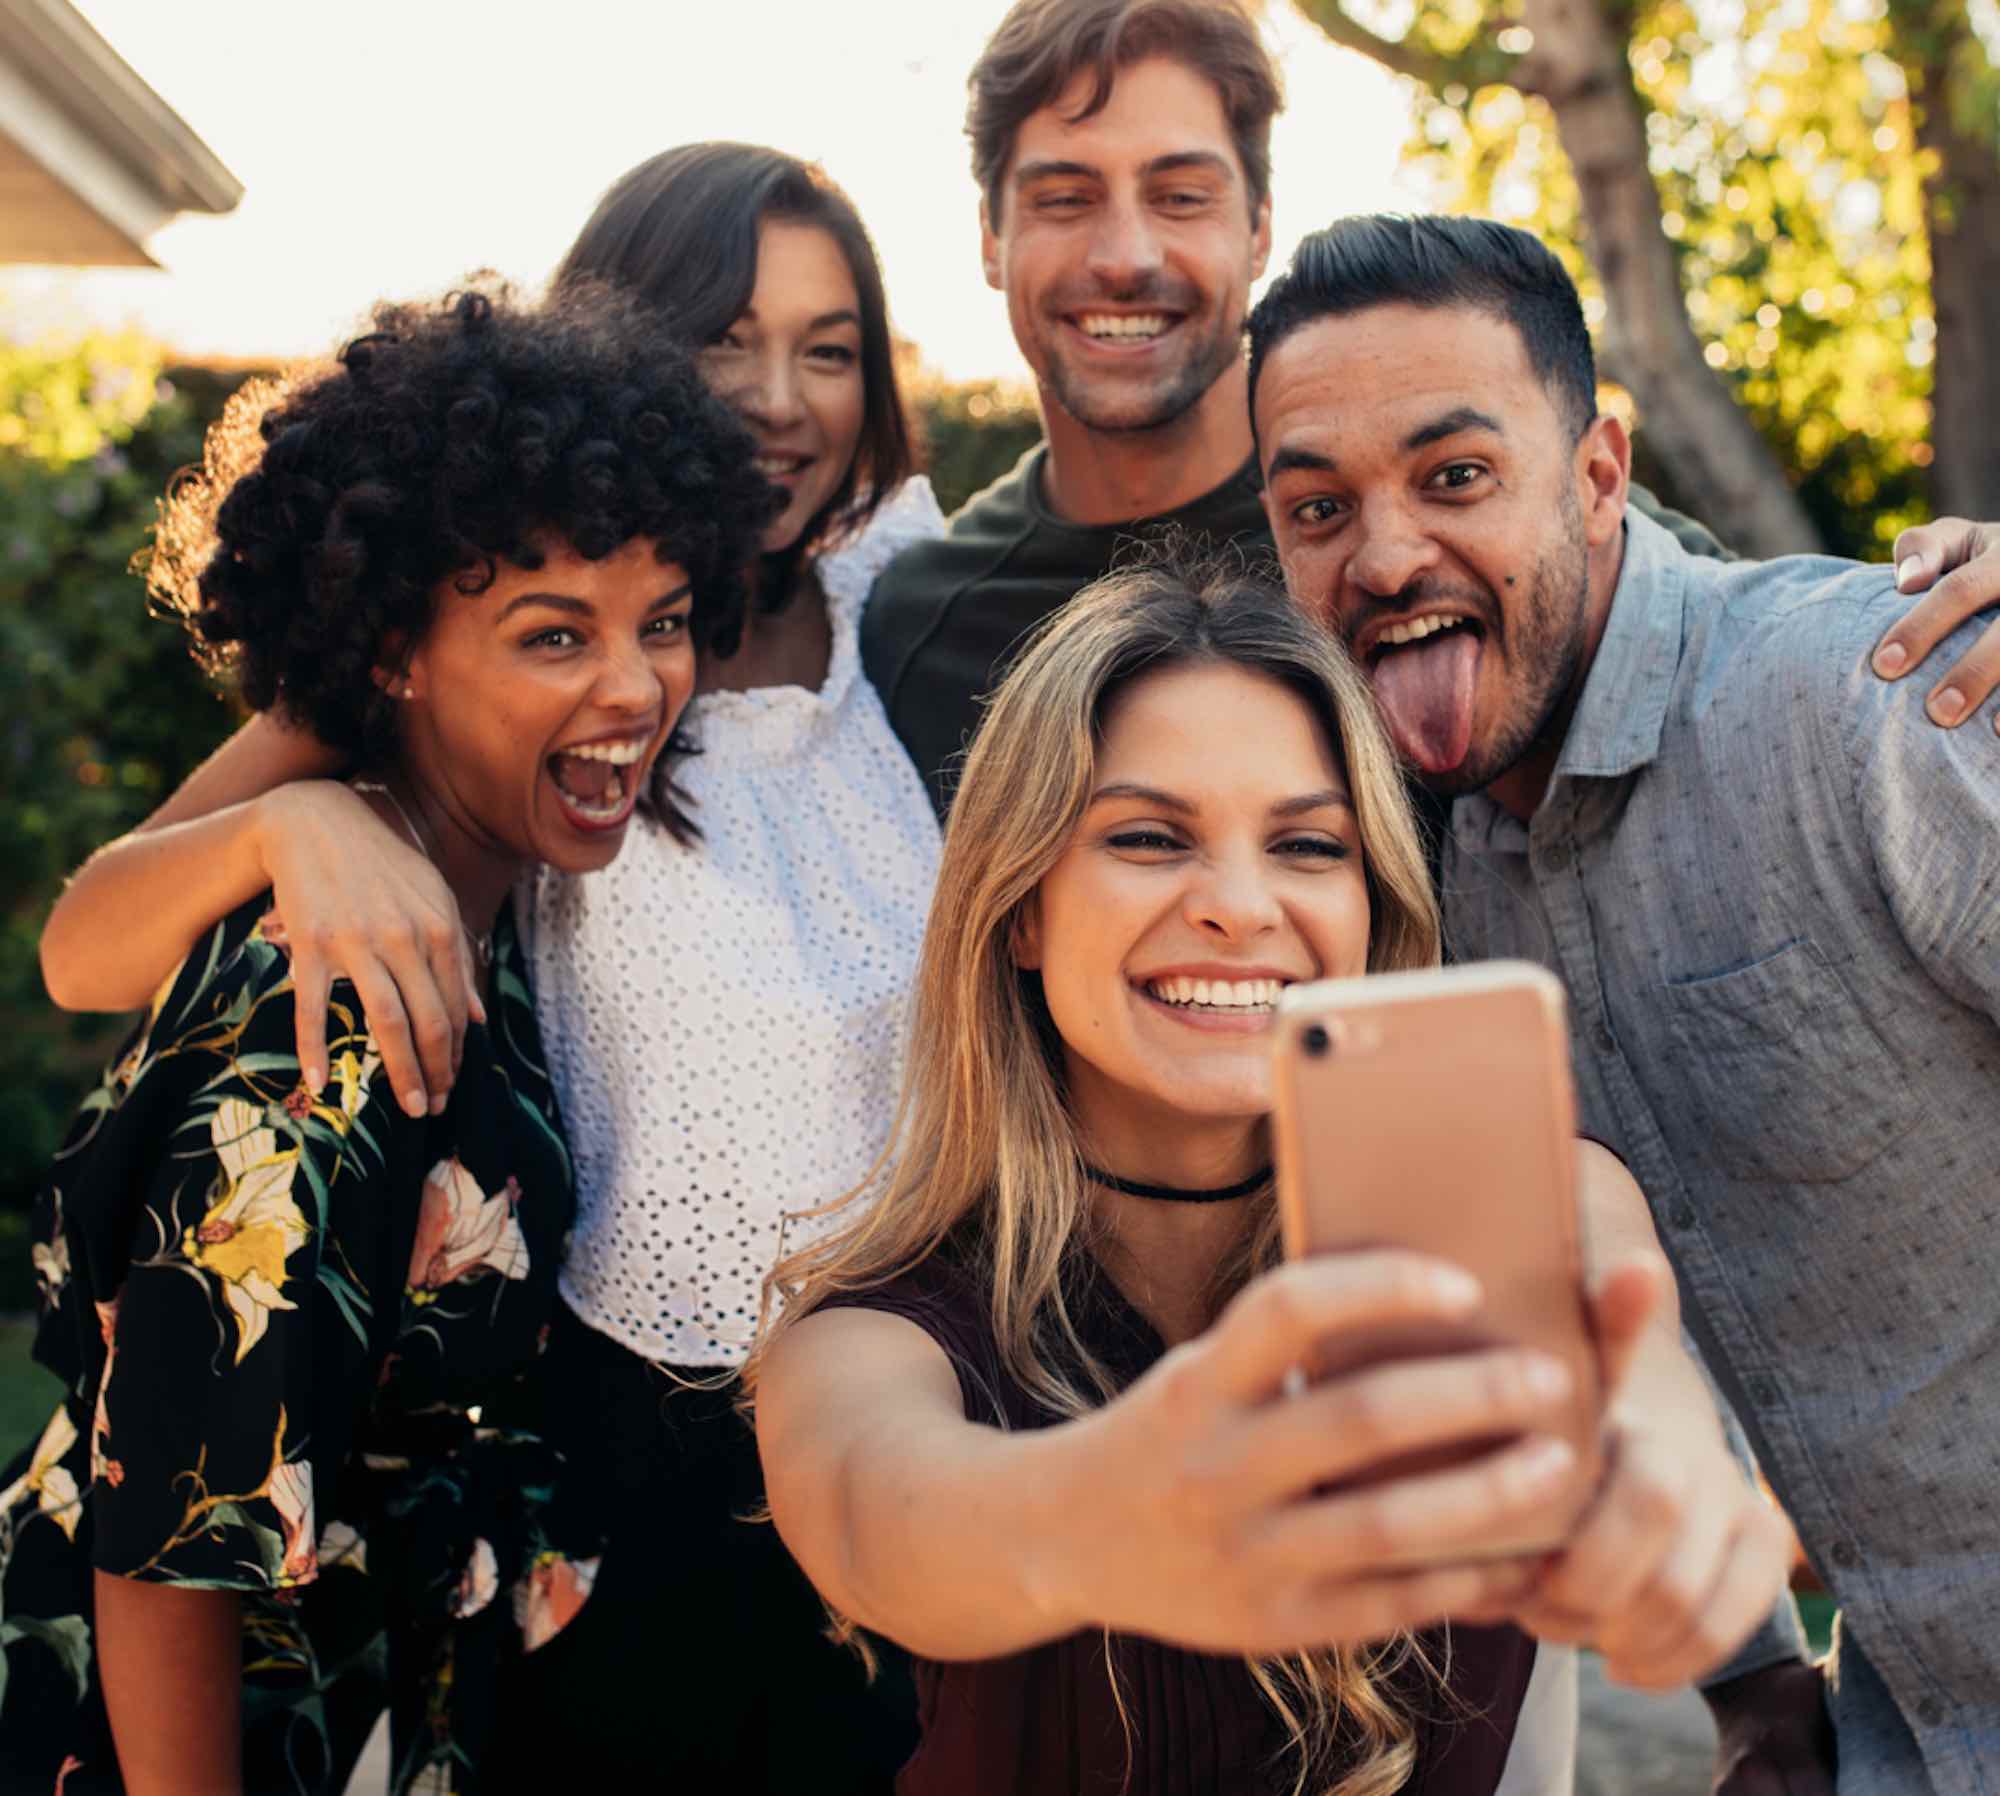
point(945, 614)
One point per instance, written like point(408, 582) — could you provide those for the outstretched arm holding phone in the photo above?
point(1186, 1507)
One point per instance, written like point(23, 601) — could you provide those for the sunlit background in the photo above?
point(391, 146)
point(1827, 232)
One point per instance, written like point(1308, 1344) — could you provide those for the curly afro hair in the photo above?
point(332, 508)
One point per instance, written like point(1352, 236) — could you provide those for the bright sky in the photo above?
point(388, 147)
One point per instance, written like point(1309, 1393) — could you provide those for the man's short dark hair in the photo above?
point(1384, 259)
point(1041, 46)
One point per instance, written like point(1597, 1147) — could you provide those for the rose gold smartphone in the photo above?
point(1433, 1111)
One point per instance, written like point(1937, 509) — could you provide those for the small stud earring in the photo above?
point(409, 691)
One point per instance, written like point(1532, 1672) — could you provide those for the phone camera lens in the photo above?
point(1316, 1041)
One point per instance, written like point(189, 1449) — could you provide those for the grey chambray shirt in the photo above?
point(1772, 889)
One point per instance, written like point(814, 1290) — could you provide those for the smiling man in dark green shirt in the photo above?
point(1124, 163)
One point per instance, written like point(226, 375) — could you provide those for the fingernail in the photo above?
point(1947, 704)
point(438, 1103)
point(1890, 659)
point(413, 1102)
point(1548, 1460)
point(1908, 571)
point(315, 1079)
point(1458, 1289)
point(1548, 1378)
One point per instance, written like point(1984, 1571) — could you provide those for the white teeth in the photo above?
point(619, 754)
point(1110, 324)
point(1417, 629)
point(774, 467)
point(1218, 994)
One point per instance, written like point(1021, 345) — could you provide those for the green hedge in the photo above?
point(101, 710)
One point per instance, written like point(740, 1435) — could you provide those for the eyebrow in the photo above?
point(1450, 424)
point(825, 321)
point(1181, 807)
point(1330, 796)
point(571, 606)
point(1310, 459)
point(1174, 162)
point(1167, 801)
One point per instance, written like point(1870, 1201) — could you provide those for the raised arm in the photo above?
point(132, 910)
point(1187, 1509)
point(357, 900)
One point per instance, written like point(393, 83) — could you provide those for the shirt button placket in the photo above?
point(1554, 861)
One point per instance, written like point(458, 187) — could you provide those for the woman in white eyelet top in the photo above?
point(723, 1019)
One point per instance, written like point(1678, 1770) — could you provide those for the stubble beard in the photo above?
point(1120, 410)
point(1547, 645)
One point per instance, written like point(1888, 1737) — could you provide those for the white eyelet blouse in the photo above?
point(724, 1022)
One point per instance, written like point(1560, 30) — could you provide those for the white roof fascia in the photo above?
point(46, 133)
point(71, 101)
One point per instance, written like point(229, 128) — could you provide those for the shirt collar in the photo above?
point(1619, 718)
point(1623, 710)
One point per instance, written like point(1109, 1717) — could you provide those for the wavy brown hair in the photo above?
point(681, 231)
point(987, 1163)
point(1041, 46)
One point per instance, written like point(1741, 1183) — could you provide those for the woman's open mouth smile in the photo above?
point(597, 784)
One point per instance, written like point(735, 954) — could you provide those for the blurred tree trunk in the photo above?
point(1577, 63)
point(1958, 121)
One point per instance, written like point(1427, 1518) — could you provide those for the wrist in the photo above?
point(1062, 1498)
point(263, 828)
point(276, 820)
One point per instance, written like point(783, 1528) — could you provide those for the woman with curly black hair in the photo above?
point(297, 1459)
point(724, 1016)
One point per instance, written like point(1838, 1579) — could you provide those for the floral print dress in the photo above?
point(294, 1333)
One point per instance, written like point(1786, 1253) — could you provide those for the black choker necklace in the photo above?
point(1180, 1194)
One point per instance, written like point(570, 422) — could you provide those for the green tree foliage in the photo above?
point(971, 432)
point(1783, 138)
point(101, 710)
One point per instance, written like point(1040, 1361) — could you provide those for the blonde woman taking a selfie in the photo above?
point(1026, 1413)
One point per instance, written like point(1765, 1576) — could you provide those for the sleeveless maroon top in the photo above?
point(1045, 1722)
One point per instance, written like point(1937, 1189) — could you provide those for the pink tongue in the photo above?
point(581, 777)
point(1425, 692)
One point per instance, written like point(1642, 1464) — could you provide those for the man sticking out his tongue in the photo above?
point(1425, 671)
point(1766, 878)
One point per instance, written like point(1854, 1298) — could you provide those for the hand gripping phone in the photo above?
point(1433, 1111)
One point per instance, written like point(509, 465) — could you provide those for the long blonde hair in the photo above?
point(985, 1154)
